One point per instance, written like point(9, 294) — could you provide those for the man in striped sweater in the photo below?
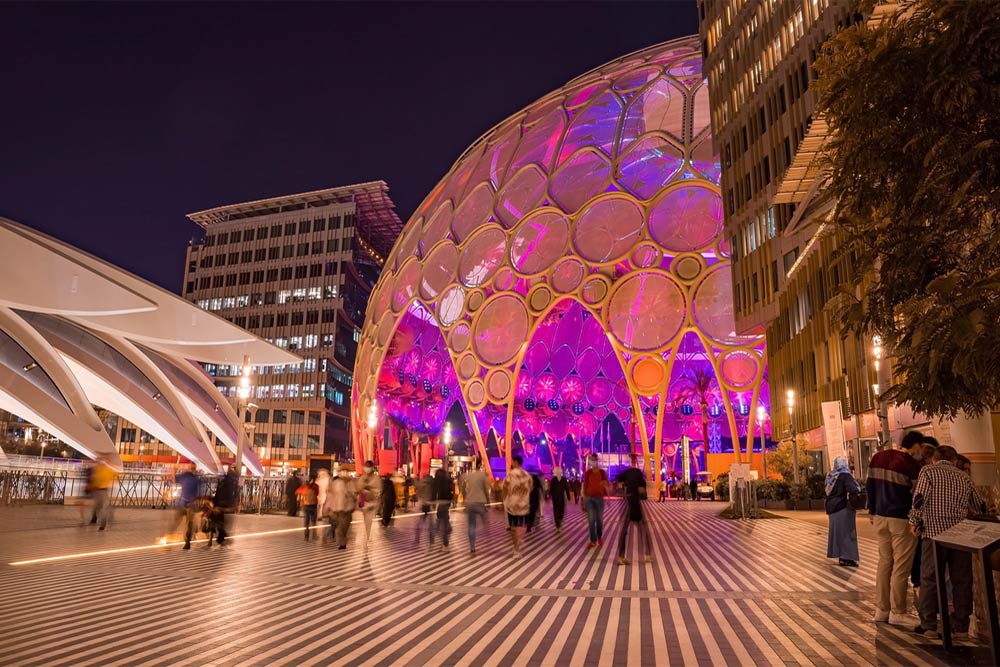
point(891, 476)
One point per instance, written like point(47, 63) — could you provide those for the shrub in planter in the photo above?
point(773, 489)
point(799, 491)
point(722, 487)
point(817, 487)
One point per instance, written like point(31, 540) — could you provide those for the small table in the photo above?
point(981, 539)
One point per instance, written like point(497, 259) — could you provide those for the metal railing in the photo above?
point(32, 486)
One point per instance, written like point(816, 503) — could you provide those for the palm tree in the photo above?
point(699, 386)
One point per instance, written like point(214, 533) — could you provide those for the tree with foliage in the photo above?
point(913, 166)
point(779, 459)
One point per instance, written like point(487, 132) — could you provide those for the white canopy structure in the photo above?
point(76, 332)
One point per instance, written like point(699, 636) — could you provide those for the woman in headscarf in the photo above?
point(843, 539)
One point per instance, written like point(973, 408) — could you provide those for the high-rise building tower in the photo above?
point(296, 270)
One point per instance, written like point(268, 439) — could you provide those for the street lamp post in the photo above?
point(761, 415)
point(243, 393)
point(141, 448)
point(795, 444)
point(880, 407)
point(372, 423)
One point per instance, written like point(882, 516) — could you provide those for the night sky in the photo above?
point(118, 119)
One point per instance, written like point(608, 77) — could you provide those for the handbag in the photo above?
point(858, 500)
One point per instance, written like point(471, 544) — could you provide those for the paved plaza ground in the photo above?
point(718, 593)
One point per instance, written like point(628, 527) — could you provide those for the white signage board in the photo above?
point(738, 472)
point(833, 430)
point(971, 534)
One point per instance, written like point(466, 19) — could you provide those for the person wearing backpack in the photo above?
point(308, 495)
point(594, 491)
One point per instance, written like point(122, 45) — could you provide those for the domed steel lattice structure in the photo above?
point(569, 273)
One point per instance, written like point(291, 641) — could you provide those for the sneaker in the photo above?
point(929, 634)
point(101, 528)
point(600, 540)
point(186, 546)
point(904, 620)
point(472, 552)
point(591, 545)
point(623, 561)
point(881, 616)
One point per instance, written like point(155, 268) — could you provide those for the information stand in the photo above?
point(981, 539)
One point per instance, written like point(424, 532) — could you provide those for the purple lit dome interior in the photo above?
point(567, 286)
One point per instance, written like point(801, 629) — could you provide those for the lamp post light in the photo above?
point(761, 416)
point(795, 444)
point(41, 455)
point(880, 407)
point(141, 448)
point(372, 423)
point(243, 394)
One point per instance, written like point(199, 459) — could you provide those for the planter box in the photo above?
point(775, 504)
point(817, 505)
point(801, 505)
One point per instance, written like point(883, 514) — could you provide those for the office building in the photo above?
point(296, 270)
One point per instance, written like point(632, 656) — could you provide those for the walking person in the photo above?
point(943, 497)
point(227, 503)
point(102, 478)
point(559, 493)
point(187, 502)
point(594, 491)
point(891, 476)
point(443, 495)
point(477, 494)
point(425, 496)
point(322, 488)
point(842, 539)
point(924, 456)
point(388, 500)
point(292, 485)
point(535, 500)
point(369, 491)
point(633, 482)
point(517, 502)
point(340, 503)
point(308, 495)
point(575, 488)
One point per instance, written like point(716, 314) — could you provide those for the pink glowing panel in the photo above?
point(650, 164)
point(588, 364)
point(473, 212)
point(594, 126)
point(500, 330)
point(459, 183)
point(537, 357)
point(585, 93)
point(483, 255)
point(493, 163)
point(545, 387)
point(384, 330)
point(706, 161)
point(432, 368)
point(406, 285)
point(451, 306)
point(702, 114)
point(563, 360)
point(461, 336)
point(608, 229)
point(384, 296)
point(568, 275)
point(436, 228)
point(571, 390)
point(540, 141)
point(646, 311)
point(539, 241)
point(725, 247)
point(439, 270)
point(659, 108)
point(636, 78)
point(583, 176)
point(520, 195)
point(686, 219)
point(713, 306)
point(688, 71)
point(408, 246)
point(599, 391)
point(739, 368)
point(523, 388)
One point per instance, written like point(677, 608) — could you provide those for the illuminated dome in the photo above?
point(570, 271)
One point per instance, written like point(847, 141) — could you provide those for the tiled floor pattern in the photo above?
point(718, 593)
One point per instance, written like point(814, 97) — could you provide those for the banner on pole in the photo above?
point(833, 430)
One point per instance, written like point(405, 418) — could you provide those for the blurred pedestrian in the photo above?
point(187, 502)
point(516, 501)
point(227, 503)
point(292, 485)
point(425, 496)
point(102, 478)
point(535, 500)
point(943, 497)
point(842, 539)
point(340, 502)
point(594, 491)
point(323, 487)
point(633, 483)
point(559, 493)
point(308, 497)
point(388, 499)
point(443, 495)
point(574, 487)
point(87, 502)
point(369, 491)
point(477, 494)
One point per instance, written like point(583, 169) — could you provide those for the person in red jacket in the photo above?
point(595, 489)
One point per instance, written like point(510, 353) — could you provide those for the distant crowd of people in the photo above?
point(912, 495)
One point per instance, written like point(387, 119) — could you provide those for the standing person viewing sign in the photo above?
point(595, 490)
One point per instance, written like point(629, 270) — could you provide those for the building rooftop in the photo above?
point(377, 220)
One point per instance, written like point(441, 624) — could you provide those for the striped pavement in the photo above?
point(718, 592)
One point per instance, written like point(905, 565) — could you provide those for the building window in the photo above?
point(258, 277)
point(332, 245)
point(319, 225)
point(248, 234)
point(300, 271)
point(282, 319)
point(286, 273)
point(312, 317)
point(273, 252)
point(302, 250)
point(246, 256)
point(314, 293)
point(330, 268)
point(315, 270)
point(233, 258)
point(278, 440)
point(295, 342)
point(298, 417)
point(287, 251)
point(235, 236)
point(245, 278)
point(272, 275)
point(254, 322)
point(297, 318)
point(328, 315)
point(305, 227)
point(299, 294)
point(293, 392)
point(312, 442)
point(295, 441)
point(311, 341)
point(260, 254)
point(261, 233)
point(330, 292)
point(223, 238)
point(315, 418)
point(290, 229)
point(317, 247)
point(128, 435)
point(260, 439)
point(275, 231)
point(231, 280)
point(268, 320)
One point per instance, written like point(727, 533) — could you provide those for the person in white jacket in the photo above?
point(369, 492)
point(340, 504)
